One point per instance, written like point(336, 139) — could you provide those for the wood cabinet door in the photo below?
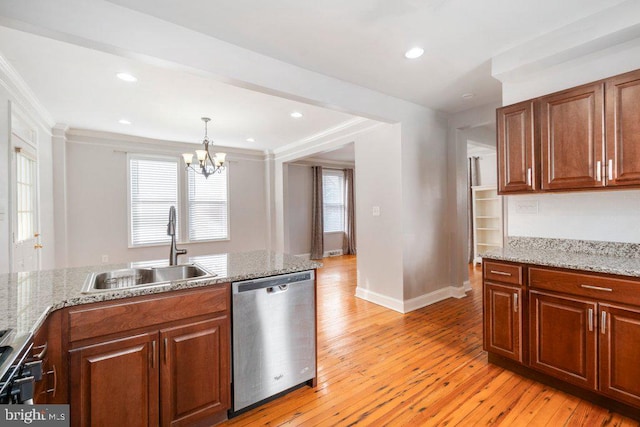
point(619, 366)
point(572, 138)
point(503, 320)
point(563, 337)
point(623, 129)
point(195, 372)
point(517, 154)
point(115, 383)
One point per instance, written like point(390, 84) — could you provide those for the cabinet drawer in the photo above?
point(587, 285)
point(133, 313)
point(506, 273)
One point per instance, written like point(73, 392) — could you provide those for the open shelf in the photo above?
point(487, 220)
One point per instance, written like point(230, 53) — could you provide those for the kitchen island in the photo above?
point(167, 345)
point(567, 313)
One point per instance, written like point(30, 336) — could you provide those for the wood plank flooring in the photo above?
point(378, 367)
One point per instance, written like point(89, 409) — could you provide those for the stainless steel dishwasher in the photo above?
point(274, 343)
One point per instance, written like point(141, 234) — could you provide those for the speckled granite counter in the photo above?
point(28, 297)
point(602, 257)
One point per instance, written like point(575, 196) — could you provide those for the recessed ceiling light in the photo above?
point(251, 140)
point(124, 122)
point(468, 95)
point(126, 77)
point(414, 52)
point(296, 115)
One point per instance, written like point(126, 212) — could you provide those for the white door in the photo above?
point(24, 187)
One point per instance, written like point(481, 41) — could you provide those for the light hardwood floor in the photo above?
point(378, 367)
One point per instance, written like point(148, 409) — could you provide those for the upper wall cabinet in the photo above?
point(623, 129)
point(584, 138)
point(516, 150)
point(572, 137)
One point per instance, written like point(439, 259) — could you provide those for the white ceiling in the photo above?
point(358, 41)
point(79, 87)
point(363, 41)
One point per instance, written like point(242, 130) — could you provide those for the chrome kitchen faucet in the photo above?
point(171, 231)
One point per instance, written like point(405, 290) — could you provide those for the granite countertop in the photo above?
point(29, 297)
point(601, 257)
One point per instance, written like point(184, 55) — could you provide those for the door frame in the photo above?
point(23, 135)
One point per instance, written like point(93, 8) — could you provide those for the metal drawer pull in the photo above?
point(55, 381)
point(598, 171)
point(610, 170)
point(500, 273)
point(529, 177)
point(590, 319)
point(165, 351)
point(153, 353)
point(603, 328)
point(515, 302)
point(597, 288)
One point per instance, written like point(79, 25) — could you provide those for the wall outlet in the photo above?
point(105, 259)
point(376, 211)
point(527, 207)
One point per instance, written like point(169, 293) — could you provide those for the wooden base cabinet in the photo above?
point(572, 329)
point(115, 383)
point(619, 365)
point(563, 338)
point(159, 360)
point(503, 320)
point(194, 367)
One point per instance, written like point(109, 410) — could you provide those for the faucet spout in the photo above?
point(171, 231)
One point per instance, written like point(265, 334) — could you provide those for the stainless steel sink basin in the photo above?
point(177, 272)
point(130, 278)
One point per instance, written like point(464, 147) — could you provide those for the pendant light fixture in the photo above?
point(208, 164)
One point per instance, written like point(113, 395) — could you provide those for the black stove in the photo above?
point(19, 371)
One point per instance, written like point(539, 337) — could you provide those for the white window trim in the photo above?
point(183, 203)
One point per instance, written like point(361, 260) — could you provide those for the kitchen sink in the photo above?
point(130, 278)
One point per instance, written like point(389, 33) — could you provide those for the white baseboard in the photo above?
point(466, 286)
point(335, 252)
point(376, 298)
point(413, 303)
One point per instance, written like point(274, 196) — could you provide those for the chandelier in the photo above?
point(208, 164)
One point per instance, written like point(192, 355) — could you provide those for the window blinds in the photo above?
point(208, 206)
point(333, 200)
point(153, 190)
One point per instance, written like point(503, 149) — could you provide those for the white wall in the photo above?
point(97, 201)
point(602, 215)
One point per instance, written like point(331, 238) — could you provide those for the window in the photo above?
point(208, 207)
point(25, 196)
point(155, 184)
point(153, 189)
point(333, 200)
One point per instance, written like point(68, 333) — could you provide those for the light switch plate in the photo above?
point(527, 207)
point(376, 211)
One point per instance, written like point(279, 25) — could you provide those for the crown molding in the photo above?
point(18, 89)
point(327, 133)
point(131, 143)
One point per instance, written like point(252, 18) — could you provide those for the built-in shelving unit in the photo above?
point(487, 220)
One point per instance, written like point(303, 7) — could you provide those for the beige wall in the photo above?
point(97, 212)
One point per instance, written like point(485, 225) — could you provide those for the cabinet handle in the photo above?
point(529, 177)
point(590, 319)
point(610, 170)
point(55, 381)
point(596, 288)
point(499, 273)
point(603, 322)
point(165, 351)
point(598, 170)
point(515, 302)
point(153, 353)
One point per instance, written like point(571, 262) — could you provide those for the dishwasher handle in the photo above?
point(275, 283)
point(277, 289)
